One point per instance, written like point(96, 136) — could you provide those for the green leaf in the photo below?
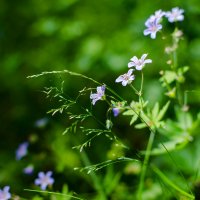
point(129, 112)
point(184, 69)
point(155, 111)
point(134, 118)
point(174, 144)
point(140, 126)
point(144, 117)
point(163, 111)
point(169, 77)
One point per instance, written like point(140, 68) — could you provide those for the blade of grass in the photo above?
point(170, 183)
point(55, 193)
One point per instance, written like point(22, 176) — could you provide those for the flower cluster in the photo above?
point(43, 179)
point(125, 79)
point(138, 64)
point(152, 27)
point(153, 22)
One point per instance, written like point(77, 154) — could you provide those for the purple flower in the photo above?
point(41, 123)
point(157, 16)
point(126, 78)
point(153, 27)
point(116, 111)
point(5, 194)
point(99, 95)
point(28, 170)
point(139, 63)
point(44, 180)
point(22, 150)
point(176, 14)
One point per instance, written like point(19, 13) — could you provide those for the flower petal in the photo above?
point(119, 79)
point(131, 64)
point(147, 32)
point(134, 59)
point(37, 181)
point(139, 67)
point(6, 188)
point(41, 174)
point(144, 56)
point(49, 173)
point(43, 186)
point(148, 61)
point(130, 72)
point(124, 83)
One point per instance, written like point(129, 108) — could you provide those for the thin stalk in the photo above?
point(144, 165)
point(170, 183)
point(135, 90)
point(73, 74)
point(53, 193)
point(94, 177)
point(142, 82)
point(175, 61)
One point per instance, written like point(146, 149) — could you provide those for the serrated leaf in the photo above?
point(134, 118)
point(163, 111)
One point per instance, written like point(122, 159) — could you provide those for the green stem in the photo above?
point(174, 60)
point(73, 74)
point(97, 183)
point(175, 63)
point(135, 90)
point(53, 193)
point(145, 164)
point(142, 82)
point(170, 183)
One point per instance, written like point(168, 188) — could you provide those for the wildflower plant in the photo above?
point(175, 133)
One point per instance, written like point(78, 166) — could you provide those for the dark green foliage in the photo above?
point(97, 39)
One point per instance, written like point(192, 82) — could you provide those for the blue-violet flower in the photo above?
point(139, 63)
point(44, 180)
point(5, 194)
point(176, 14)
point(157, 16)
point(99, 95)
point(126, 78)
point(153, 27)
point(116, 111)
point(41, 123)
point(28, 170)
point(22, 150)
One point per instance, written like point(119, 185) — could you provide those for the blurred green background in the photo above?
point(96, 38)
